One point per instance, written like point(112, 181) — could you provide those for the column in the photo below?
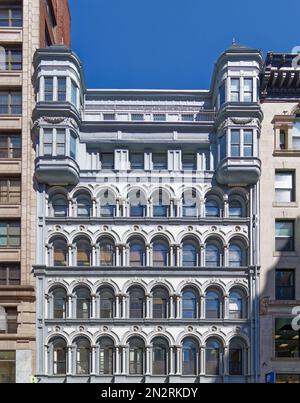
point(172, 208)
point(46, 360)
point(226, 257)
point(124, 305)
point(70, 255)
point(94, 207)
point(178, 307)
point(117, 208)
point(226, 307)
point(149, 208)
point(94, 256)
point(171, 255)
point(70, 310)
point(70, 208)
point(94, 296)
point(179, 208)
point(225, 361)
point(202, 360)
point(124, 260)
point(42, 89)
point(148, 261)
point(93, 372)
point(172, 367)
point(69, 358)
point(178, 256)
point(226, 208)
point(202, 256)
point(178, 360)
point(124, 360)
point(148, 306)
point(202, 307)
point(172, 316)
point(117, 256)
point(148, 360)
point(117, 313)
point(117, 360)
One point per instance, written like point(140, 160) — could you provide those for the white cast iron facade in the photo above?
point(147, 255)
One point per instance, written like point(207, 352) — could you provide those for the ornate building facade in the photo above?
point(147, 226)
point(22, 28)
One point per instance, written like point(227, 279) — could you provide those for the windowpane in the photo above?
point(190, 353)
point(107, 160)
point(7, 367)
point(48, 89)
point(284, 186)
point(235, 143)
point(137, 161)
point(74, 90)
point(73, 146)
point(285, 284)
point(62, 89)
point(248, 143)
point(189, 162)
point(235, 90)
point(160, 161)
point(286, 339)
point(189, 305)
point(284, 236)
point(60, 142)
point(235, 209)
point(213, 305)
point(213, 358)
point(248, 90)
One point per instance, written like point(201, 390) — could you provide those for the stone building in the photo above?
point(147, 226)
point(22, 31)
point(280, 212)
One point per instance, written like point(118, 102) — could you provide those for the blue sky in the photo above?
point(173, 43)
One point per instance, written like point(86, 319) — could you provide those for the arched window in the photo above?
point(160, 253)
point(136, 303)
point(190, 353)
point(60, 253)
point(107, 302)
point(237, 255)
point(59, 356)
point(161, 204)
point(137, 253)
point(213, 254)
point(83, 303)
point(213, 355)
point(237, 305)
point(236, 357)
point(59, 206)
point(59, 296)
point(136, 356)
point(160, 356)
point(106, 356)
point(212, 207)
point(190, 303)
point(235, 208)
point(190, 207)
point(107, 204)
point(84, 206)
point(160, 303)
point(84, 252)
point(107, 253)
point(83, 357)
point(137, 203)
point(190, 253)
point(213, 305)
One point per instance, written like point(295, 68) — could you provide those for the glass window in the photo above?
point(59, 357)
point(236, 358)
point(284, 236)
point(10, 146)
point(48, 89)
point(7, 366)
point(107, 160)
point(60, 206)
point(189, 162)
point(212, 208)
point(60, 253)
point(190, 352)
point(74, 90)
point(107, 204)
point(137, 254)
point(213, 305)
point(107, 299)
point(235, 143)
point(159, 117)
point(13, 59)
point(236, 305)
point(109, 116)
point(83, 357)
point(8, 320)
point(10, 234)
point(160, 161)
point(296, 135)
point(137, 160)
point(62, 89)
point(48, 142)
point(60, 301)
point(248, 143)
point(235, 255)
point(137, 116)
point(160, 303)
point(223, 147)
point(10, 191)
point(160, 357)
point(284, 186)
point(282, 140)
point(235, 90)
point(222, 94)
point(10, 103)
point(136, 356)
point(136, 303)
point(84, 206)
point(286, 339)
point(106, 356)
point(84, 253)
point(161, 204)
point(189, 204)
point(190, 254)
point(10, 274)
point(83, 303)
point(212, 255)
point(73, 146)
point(60, 143)
point(107, 253)
point(160, 254)
point(235, 209)
point(288, 378)
point(11, 16)
point(190, 303)
point(213, 352)
point(285, 284)
point(248, 90)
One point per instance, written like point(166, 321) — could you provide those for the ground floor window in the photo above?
point(287, 378)
point(7, 366)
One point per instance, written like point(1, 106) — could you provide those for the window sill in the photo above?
point(285, 205)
